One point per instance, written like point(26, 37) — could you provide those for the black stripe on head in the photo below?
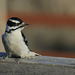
point(14, 21)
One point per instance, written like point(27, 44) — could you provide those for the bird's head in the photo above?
point(15, 23)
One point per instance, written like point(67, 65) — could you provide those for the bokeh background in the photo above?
point(52, 24)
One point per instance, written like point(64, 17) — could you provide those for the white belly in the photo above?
point(14, 44)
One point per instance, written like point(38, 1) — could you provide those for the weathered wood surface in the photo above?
point(40, 65)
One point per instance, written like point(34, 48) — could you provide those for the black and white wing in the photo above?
point(24, 38)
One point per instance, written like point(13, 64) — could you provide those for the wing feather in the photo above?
point(24, 39)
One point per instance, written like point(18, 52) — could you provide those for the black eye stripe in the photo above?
point(14, 29)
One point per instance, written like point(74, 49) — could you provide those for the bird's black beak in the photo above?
point(26, 24)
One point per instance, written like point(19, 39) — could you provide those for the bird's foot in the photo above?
point(4, 57)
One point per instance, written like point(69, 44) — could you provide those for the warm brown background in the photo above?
point(52, 24)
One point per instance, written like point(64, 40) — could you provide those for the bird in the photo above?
point(14, 41)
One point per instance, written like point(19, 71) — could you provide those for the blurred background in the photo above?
point(52, 24)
